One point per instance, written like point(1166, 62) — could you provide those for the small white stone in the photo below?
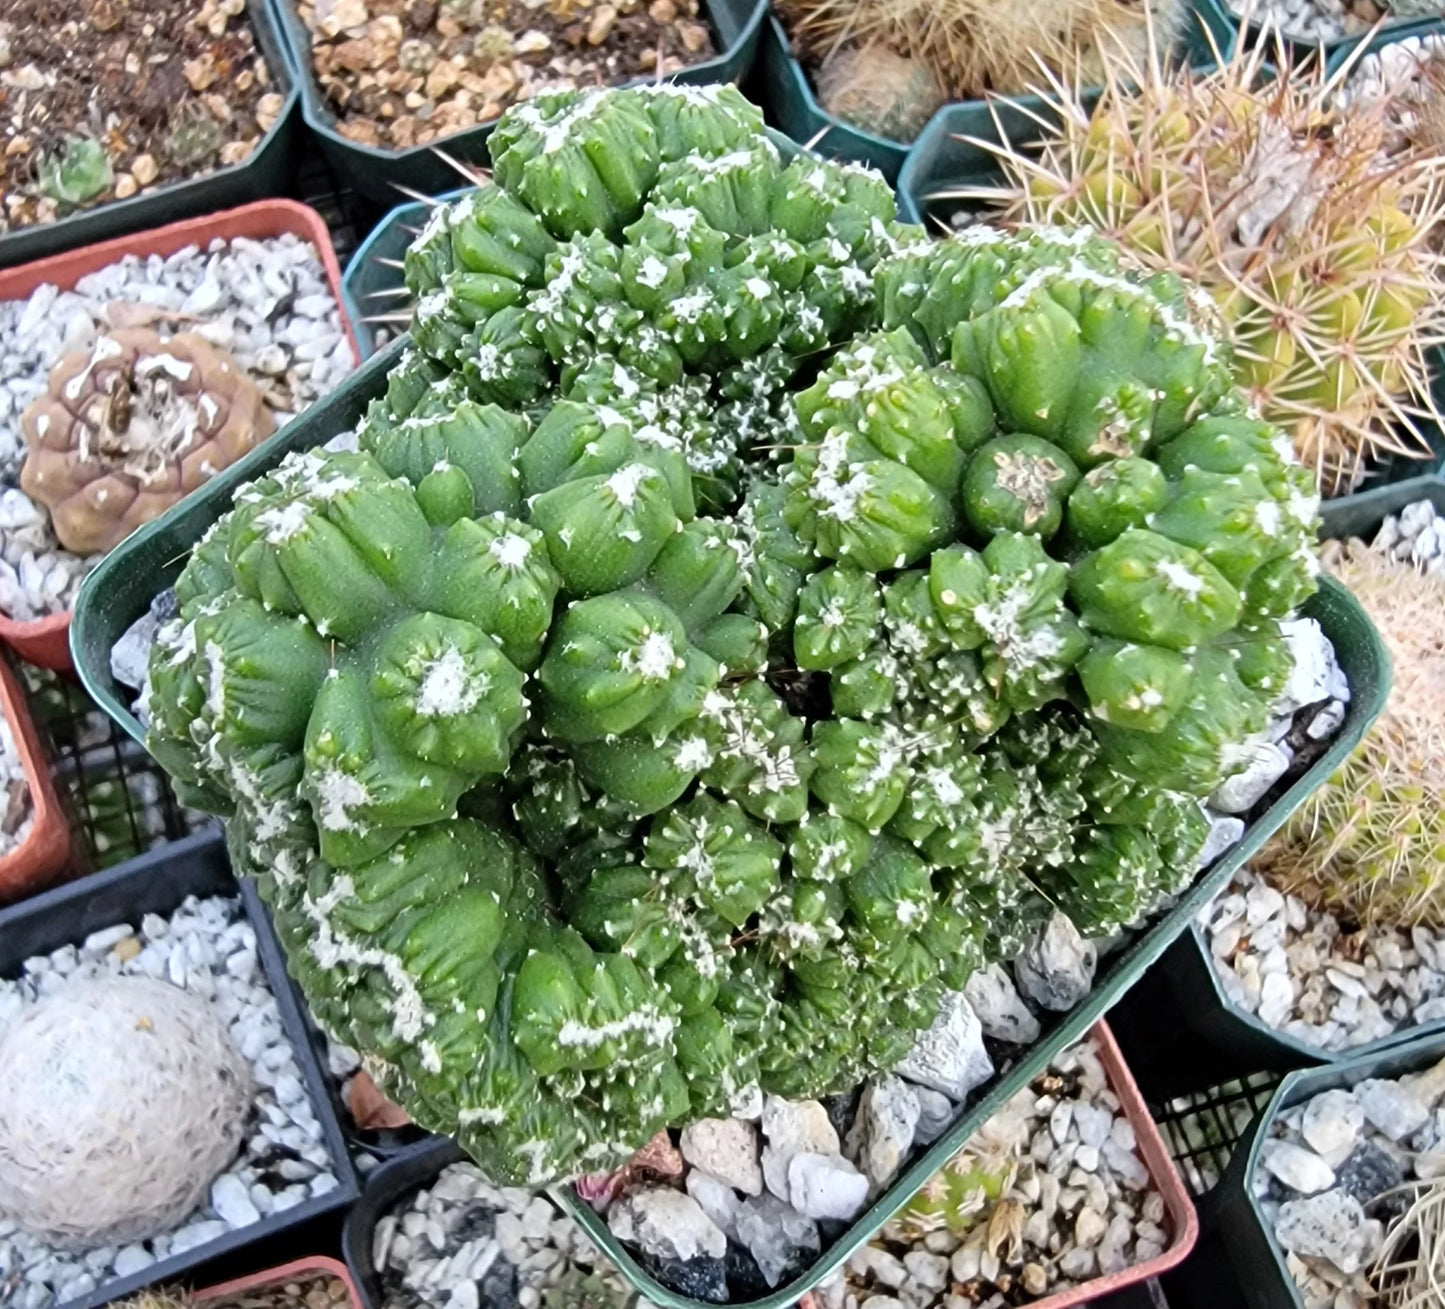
point(1299, 1169)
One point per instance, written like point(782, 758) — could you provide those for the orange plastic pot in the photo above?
point(1183, 1221)
point(39, 860)
point(317, 1266)
point(46, 641)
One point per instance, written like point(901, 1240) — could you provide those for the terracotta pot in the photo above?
point(39, 860)
point(317, 1266)
point(46, 641)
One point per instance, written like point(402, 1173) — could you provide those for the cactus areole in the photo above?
point(740, 619)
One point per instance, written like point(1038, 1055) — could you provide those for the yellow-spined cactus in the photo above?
point(1370, 844)
point(1266, 194)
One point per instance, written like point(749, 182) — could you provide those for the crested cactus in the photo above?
point(600, 760)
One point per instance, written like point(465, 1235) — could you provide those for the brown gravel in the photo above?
point(400, 73)
point(170, 89)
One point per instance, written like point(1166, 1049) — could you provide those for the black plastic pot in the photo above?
point(379, 174)
point(157, 882)
point(266, 172)
point(384, 1187)
point(1254, 1254)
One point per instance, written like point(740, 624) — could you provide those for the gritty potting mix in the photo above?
point(108, 99)
point(400, 73)
point(164, 370)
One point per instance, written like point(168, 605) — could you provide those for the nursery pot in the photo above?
point(793, 102)
point(1255, 1255)
point(381, 174)
point(148, 561)
point(157, 882)
point(40, 859)
point(45, 642)
point(296, 1271)
point(266, 171)
point(385, 1185)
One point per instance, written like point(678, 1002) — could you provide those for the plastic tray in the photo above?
point(121, 588)
point(380, 173)
point(157, 883)
point(40, 859)
point(46, 641)
point(266, 171)
point(1257, 1259)
point(794, 104)
point(300, 1269)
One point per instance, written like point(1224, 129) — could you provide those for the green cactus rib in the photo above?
point(739, 620)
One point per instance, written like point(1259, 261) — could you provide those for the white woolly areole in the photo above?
point(653, 658)
point(449, 688)
point(1179, 578)
point(625, 483)
point(337, 794)
point(510, 550)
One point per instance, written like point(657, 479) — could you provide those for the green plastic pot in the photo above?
point(149, 560)
point(380, 174)
point(794, 104)
point(1254, 1254)
point(266, 172)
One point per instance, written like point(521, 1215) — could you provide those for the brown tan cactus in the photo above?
point(128, 427)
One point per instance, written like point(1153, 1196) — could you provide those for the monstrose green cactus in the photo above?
point(739, 620)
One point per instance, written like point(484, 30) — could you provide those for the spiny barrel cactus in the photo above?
point(726, 634)
point(1321, 260)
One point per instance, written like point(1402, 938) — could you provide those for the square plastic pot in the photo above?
point(43, 857)
point(793, 102)
point(297, 1271)
point(157, 882)
point(379, 174)
point(385, 1185)
point(1255, 1255)
point(45, 642)
point(266, 171)
point(148, 561)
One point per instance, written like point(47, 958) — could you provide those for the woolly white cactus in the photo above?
point(120, 1101)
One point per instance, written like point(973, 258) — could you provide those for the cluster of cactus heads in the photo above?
point(973, 47)
point(1367, 845)
point(1321, 262)
point(738, 621)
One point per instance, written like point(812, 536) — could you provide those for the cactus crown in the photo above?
point(76, 171)
point(601, 766)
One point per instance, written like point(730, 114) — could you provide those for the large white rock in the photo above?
point(728, 1149)
point(826, 1186)
point(1331, 1125)
point(949, 1057)
point(883, 1130)
point(668, 1224)
point(1299, 1169)
point(793, 1127)
point(1002, 1012)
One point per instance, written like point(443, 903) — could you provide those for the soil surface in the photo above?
point(102, 99)
point(400, 73)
